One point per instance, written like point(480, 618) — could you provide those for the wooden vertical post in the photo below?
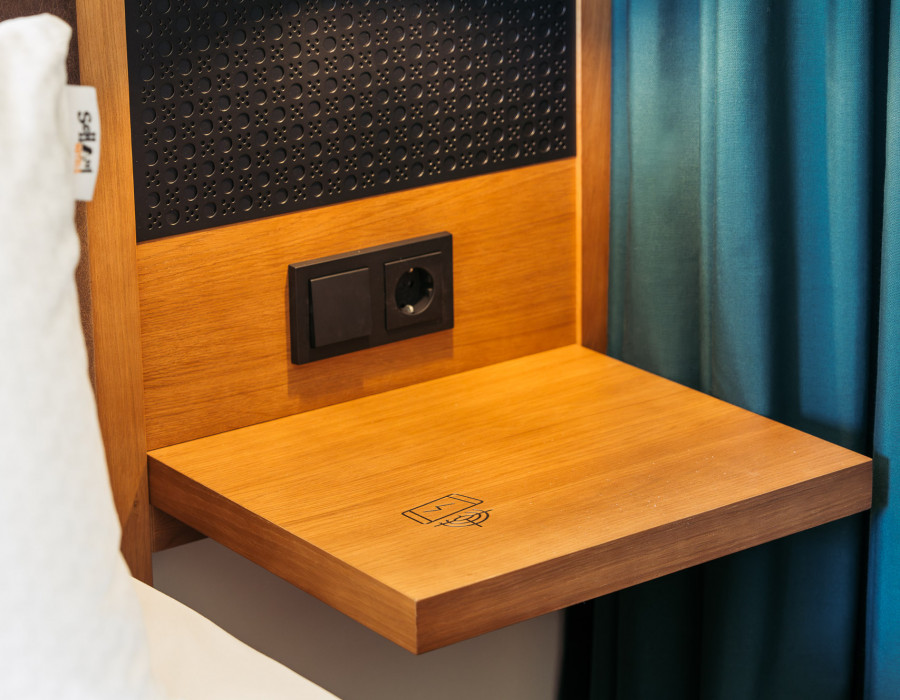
point(595, 82)
point(111, 263)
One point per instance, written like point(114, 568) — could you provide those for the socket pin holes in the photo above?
point(415, 290)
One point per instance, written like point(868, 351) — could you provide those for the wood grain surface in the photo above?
point(593, 476)
point(595, 85)
point(214, 308)
point(115, 319)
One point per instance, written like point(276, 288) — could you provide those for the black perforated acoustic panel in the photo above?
point(245, 109)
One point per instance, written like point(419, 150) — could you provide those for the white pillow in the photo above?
point(70, 624)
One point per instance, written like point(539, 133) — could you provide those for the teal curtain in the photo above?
point(755, 255)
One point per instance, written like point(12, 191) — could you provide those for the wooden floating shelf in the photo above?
point(453, 507)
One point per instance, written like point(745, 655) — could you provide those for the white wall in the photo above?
point(517, 663)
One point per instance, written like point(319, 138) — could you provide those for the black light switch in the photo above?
point(340, 307)
point(370, 297)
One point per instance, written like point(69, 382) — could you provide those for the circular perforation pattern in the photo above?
point(243, 109)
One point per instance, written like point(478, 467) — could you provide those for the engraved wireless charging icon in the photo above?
point(454, 510)
point(441, 508)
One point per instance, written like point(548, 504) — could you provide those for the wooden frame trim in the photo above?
point(111, 268)
point(594, 119)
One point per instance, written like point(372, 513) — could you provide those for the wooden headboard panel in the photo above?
point(214, 304)
point(189, 333)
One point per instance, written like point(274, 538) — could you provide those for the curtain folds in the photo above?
point(883, 622)
point(755, 255)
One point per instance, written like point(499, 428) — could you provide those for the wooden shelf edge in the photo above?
point(596, 476)
point(367, 601)
point(614, 566)
point(464, 613)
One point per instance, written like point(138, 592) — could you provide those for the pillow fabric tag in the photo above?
point(85, 119)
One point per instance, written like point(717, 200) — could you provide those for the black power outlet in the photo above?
point(370, 297)
point(414, 290)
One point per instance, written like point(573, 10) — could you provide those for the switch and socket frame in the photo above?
point(349, 302)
